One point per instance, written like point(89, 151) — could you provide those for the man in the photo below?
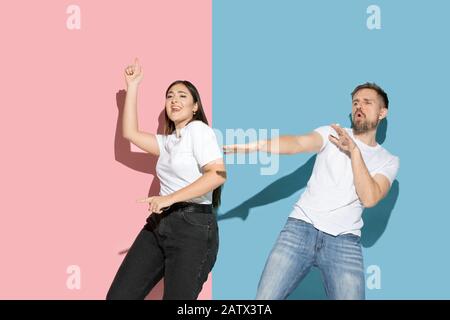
point(352, 172)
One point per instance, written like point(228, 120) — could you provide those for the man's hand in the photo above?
point(157, 204)
point(344, 142)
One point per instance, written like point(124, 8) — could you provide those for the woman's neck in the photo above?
point(180, 125)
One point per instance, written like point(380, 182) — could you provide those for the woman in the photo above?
point(180, 240)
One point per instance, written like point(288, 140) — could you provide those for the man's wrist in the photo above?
point(355, 151)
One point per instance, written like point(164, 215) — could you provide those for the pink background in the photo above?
point(68, 181)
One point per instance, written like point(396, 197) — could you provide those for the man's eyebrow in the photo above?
point(365, 99)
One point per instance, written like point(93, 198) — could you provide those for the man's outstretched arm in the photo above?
point(288, 144)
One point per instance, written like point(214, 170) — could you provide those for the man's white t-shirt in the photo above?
point(181, 158)
point(329, 201)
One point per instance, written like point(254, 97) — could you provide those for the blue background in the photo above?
point(291, 65)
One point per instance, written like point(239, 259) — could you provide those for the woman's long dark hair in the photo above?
point(169, 125)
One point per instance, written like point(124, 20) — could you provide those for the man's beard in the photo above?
point(363, 126)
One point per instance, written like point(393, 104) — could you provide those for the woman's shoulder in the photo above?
point(197, 126)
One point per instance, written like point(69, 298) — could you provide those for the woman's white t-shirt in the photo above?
point(181, 158)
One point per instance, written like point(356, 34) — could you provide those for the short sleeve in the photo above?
point(161, 140)
point(325, 131)
point(390, 169)
point(204, 143)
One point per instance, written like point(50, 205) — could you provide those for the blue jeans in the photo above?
point(301, 246)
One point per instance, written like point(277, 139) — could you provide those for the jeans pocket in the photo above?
point(351, 237)
point(198, 219)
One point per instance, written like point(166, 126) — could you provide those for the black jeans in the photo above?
point(180, 246)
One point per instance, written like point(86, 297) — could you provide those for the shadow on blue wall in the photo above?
point(375, 219)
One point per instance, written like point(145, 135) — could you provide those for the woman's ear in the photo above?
point(195, 109)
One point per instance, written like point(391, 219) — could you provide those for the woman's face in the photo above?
point(180, 104)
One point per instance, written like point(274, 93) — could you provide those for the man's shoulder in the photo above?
point(388, 155)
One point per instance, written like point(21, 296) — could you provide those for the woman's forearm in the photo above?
point(206, 183)
point(130, 121)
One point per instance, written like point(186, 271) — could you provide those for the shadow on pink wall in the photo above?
point(139, 161)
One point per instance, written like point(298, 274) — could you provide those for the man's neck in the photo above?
point(367, 137)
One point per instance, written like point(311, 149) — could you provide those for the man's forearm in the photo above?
point(281, 145)
point(366, 187)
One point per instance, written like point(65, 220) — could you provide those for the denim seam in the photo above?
point(205, 258)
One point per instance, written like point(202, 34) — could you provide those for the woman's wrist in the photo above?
point(132, 86)
point(172, 198)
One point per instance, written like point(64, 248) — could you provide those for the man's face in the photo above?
point(367, 110)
